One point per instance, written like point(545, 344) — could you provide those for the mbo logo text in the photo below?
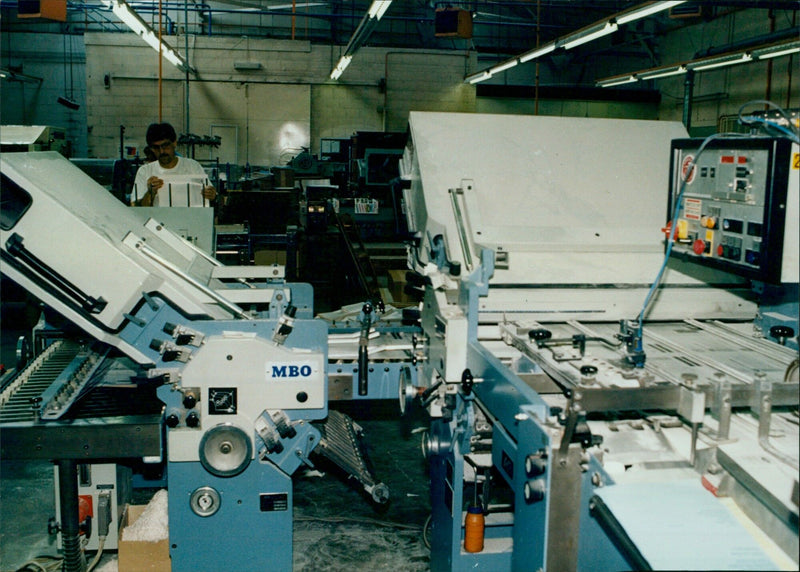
point(291, 370)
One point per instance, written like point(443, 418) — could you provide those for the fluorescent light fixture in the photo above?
point(718, 63)
point(610, 82)
point(11, 75)
point(537, 53)
point(503, 67)
point(378, 8)
point(363, 31)
point(337, 72)
point(708, 63)
point(479, 77)
point(644, 11)
point(785, 52)
point(130, 18)
point(582, 37)
point(662, 72)
point(779, 50)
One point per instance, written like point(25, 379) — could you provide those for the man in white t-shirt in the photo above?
point(162, 139)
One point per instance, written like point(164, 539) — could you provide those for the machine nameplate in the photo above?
point(273, 502)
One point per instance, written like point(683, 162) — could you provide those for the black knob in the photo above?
point(780, 333)
point(192, 420)
point(172, 420)
point(588, 370)
point(189, 401)
point(467, 381)
point(540, 334)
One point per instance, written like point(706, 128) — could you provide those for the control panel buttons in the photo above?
point(699, 246)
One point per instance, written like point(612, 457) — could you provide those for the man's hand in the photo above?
point(209, 193)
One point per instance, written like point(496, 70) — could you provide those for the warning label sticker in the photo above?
point(692, 209)
point(685, 174)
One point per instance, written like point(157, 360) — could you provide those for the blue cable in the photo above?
point(788, 133)
point(673, 228)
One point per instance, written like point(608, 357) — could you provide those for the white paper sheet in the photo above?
point(181, 191)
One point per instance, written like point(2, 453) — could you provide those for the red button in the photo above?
point(719, 250)
point(699, 246)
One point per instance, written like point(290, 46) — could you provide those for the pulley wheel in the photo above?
point(225, 450)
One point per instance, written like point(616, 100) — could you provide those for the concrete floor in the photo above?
point(335, 528)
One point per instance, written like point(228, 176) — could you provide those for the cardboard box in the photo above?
point(138, 555)
point(268, 257)
point(397, 283)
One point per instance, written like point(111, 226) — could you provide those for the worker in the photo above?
point(162, 140)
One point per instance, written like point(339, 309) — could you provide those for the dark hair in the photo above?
point(160, 131)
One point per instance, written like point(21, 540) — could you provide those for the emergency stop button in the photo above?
point(699, 246)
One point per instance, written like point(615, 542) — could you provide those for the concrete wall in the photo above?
point(272, 112)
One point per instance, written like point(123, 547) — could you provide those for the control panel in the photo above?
point(738, 210)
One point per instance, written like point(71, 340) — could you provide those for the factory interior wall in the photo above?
point(720, 93)
point(58, 62)
point(286, 104)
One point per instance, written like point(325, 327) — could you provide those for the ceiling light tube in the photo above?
point(537, 53)
point(503, 67)
point(378, 8)
point(718, 64)
point(617, 81)
point(656, 74)
point(484, 75)
point(579, 39)
point(644, 11)
point(130, 18)
point(337, 72)
point(775, 54)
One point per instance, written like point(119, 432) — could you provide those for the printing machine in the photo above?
point(228, 361)
point(608, 405)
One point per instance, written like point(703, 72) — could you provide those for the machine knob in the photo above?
point(534, 491)
point(780, 333)
point(189, 401)
point(172, 420)
point(535, 465)
point(193, 419)
point(467, 381)
point(540, 334)
point(699, 246)
point(588, 370)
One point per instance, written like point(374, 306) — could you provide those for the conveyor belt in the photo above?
point(21, 399)
point(116, 420)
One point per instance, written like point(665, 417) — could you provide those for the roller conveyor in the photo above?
point(129, 416)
